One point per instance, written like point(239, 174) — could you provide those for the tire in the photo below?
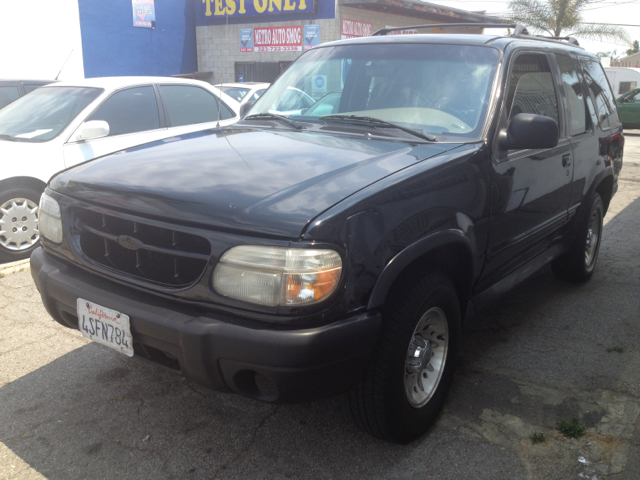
point(579, 263)
point(19, 234)
point(388, 402)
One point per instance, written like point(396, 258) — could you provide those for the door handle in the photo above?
point(566, 160)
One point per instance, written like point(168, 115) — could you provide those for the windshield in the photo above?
point(438, 89)
point(236, 93)
point(44, 113)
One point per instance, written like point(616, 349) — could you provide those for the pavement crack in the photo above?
point(250, 443)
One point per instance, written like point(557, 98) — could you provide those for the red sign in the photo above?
point(355, 29)
point(277, 39)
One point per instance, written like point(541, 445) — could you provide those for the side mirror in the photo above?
point(529, 131)
point(93, 129)
point(245, 107)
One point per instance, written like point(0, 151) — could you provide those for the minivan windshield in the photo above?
point(44, 113)
point(435, 89)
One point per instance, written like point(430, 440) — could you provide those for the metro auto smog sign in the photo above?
point(355, 29)
point(250, 8)
point(278, 39)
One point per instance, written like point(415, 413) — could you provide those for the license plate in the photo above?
point(105, 326)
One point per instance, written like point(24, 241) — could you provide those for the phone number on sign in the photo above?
point(279, 49)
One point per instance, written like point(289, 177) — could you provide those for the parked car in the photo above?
point(66, 123)
point(294, 257)
point(629, 108)
point(243, 92)
point(11, 90)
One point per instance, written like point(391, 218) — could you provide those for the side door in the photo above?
point(629, 108)
point(580, 128)
point(530, 189)
point(133, 117)
point(190, 108)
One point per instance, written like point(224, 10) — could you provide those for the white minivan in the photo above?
point(65, 123)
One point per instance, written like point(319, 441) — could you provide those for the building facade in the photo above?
point(632, 61)
point(255, 40)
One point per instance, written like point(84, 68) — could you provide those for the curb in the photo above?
point(14, 267)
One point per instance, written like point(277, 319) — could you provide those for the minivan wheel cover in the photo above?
point(18, 224)
point(426, 357)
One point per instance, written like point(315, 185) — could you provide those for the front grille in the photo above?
point(357, 130)
point(159, 255)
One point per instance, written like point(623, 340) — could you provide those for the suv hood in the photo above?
point(266, 182)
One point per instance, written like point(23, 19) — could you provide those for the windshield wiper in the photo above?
point(7, 137)
point(380, 123)
point(274, 116)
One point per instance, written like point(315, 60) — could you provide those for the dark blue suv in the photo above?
point(291, 256)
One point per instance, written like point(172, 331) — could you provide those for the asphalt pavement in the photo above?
point(549, 351)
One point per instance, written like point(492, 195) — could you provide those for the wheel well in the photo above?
point(454, 261)
point(25, 182)
point(605, 189)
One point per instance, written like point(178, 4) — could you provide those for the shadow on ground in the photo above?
point(535, 357)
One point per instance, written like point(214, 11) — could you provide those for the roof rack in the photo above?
point(570, 40)
point(518, 29)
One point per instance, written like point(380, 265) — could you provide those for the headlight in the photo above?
point(49, 219)
point(277, 276)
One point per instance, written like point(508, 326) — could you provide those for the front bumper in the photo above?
point(257, 360)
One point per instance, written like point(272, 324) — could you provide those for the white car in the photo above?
point(65, 123)
point(244, 92)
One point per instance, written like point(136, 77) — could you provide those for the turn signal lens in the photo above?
point(277, 276)
point(49, 219)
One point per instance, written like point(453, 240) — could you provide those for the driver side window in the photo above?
point(531, 88)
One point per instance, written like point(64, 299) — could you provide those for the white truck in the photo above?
point(623, 79)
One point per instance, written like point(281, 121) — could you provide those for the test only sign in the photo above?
point(144, 13)
point(277, 39)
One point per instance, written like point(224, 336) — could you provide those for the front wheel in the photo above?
point(19, 233)
point(407, 380)
point(579, 263)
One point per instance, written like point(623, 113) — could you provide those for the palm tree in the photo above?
point(563, 18)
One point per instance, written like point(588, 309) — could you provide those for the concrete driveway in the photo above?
point(549, 351)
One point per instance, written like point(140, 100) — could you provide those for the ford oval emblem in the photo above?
point(129, 243)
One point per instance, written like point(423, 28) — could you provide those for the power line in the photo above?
point(614, 24)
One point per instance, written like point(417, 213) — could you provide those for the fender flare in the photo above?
point(414, 251)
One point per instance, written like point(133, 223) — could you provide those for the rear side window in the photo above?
point(190, 105)
point(8, 95)
point(531, 87)
point(129, 111)
point(574, 93)
point(605, 105)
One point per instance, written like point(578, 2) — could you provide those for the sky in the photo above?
point(600, 11)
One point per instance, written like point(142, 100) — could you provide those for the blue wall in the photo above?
point(112, 46)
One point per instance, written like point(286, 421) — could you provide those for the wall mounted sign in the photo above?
point(409, 31)
point(253, 8)
point(246, 39)
point(311, 35)
point(144, 13)
point(355, 29)
point(277, 39)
